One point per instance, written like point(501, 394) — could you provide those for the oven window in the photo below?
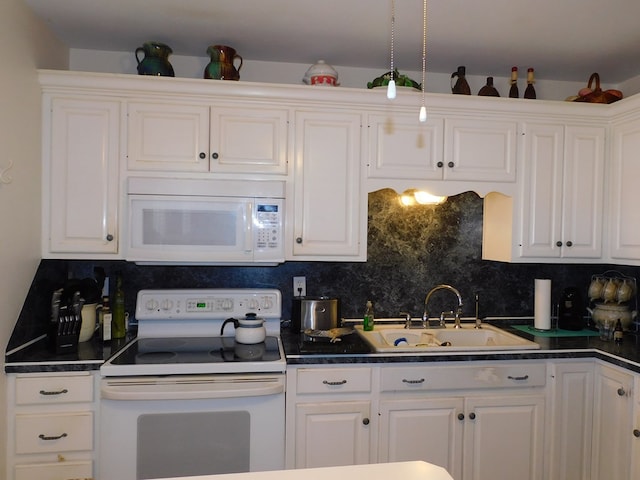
point(198, 443)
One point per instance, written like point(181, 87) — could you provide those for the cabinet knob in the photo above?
point(450, 164)
point(440, 164)
point(299, 240)
point(621, 392)
point(472, 416)
point(558, 243)
point(569, 243)
point(202, 155)
point(365, 421)
point(214, 155)
point(636, 433)
point(109, 238)
point(461, 416)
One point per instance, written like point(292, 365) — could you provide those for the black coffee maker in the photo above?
point(571, 310)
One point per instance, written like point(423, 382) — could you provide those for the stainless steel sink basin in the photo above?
point(396, 338)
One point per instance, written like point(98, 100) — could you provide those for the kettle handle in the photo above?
point(235, 324)
point(453, 75)
point(139, 49)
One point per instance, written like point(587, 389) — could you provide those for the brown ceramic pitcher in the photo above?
point(221, 66)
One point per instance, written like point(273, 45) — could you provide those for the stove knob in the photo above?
point(267, 303)
point(254, 304)
point(167, 304)
point(227, 304)
point(152, 304)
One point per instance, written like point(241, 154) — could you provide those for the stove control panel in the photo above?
point(193, 304)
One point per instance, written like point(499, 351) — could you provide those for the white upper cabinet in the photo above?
point(198, 138)
point(557, 214)
point(480, 149)
point(80, 176)
point(624, 194)
point(327, 217)
point(404, 153)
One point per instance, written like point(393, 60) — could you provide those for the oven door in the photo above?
point(174, 426)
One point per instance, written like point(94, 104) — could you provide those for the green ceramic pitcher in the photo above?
point(155, 60)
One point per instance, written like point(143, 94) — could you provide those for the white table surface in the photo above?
point(375, 471)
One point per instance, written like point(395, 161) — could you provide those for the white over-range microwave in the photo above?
point(205, 221)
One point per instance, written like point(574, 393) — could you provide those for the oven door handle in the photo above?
point(189, 388)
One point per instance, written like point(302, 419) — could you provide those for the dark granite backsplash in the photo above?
point(410, 250)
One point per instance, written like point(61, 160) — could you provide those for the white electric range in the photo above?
point(183, 400)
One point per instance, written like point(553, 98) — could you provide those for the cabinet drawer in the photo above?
point(334, 380)
point(55, 471)
point(54, 432)
point(54, 389)
point(412, 378)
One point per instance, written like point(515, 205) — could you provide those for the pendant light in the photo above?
point(423, 109)
point(391, 87)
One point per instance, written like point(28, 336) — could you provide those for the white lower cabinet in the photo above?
point(613, 424)
point(572, 420)
point(635, 442)
point(328, 416)
point(478, 421)
point(51, 426)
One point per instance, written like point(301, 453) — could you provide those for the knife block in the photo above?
point(64, 334)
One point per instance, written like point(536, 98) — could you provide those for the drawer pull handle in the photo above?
point(44, 437)
point(341, 382)
point(524, 377)
point(413, 382)
point(59, 392)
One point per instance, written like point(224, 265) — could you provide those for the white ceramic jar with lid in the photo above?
point(321, 74)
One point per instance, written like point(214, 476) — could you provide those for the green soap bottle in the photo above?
point(368, 320)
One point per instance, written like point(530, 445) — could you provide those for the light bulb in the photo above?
point(423, 114)
point(391, 89)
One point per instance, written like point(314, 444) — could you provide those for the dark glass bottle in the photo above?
point(489, 90)
point(461, 86)
point(618, 332)
point(513, 90)
point(118, 327)
point(530, 91)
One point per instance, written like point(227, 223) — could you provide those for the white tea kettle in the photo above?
point(249, 330)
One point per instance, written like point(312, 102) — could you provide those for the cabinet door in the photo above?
point(541, 222)
point(613, 424)
point(583, 192)
point(624, 194)
point(81, 177)
point(572, 412)
point(328, 218)
point(165, 137)
point(332, 434)
point(480, 150)
point(422, 429)
point(503, 438)
point(400, 147)
point(248, 140)
point(635, 442)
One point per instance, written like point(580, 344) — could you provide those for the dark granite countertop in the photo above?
point(39, 357)
point(352, 349)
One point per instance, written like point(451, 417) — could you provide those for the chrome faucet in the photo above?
point(457, 312)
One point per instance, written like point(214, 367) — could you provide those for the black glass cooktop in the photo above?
point(157, 351)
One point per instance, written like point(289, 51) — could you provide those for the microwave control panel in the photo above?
point(268, 226)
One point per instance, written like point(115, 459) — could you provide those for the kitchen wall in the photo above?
point(28, 45)
point(410, 250)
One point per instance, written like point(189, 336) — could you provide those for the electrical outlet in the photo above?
point(299, 286)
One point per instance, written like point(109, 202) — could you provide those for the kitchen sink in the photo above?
point(397, 339)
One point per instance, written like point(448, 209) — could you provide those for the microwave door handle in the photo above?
point(248, 221)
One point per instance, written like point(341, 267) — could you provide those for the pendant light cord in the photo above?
point(391, 87)
point(423, 109)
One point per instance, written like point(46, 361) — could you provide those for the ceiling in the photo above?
point(561, 39)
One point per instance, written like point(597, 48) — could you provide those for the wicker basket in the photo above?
point(597, 95)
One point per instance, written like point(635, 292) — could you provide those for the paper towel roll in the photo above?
point(542, 307)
